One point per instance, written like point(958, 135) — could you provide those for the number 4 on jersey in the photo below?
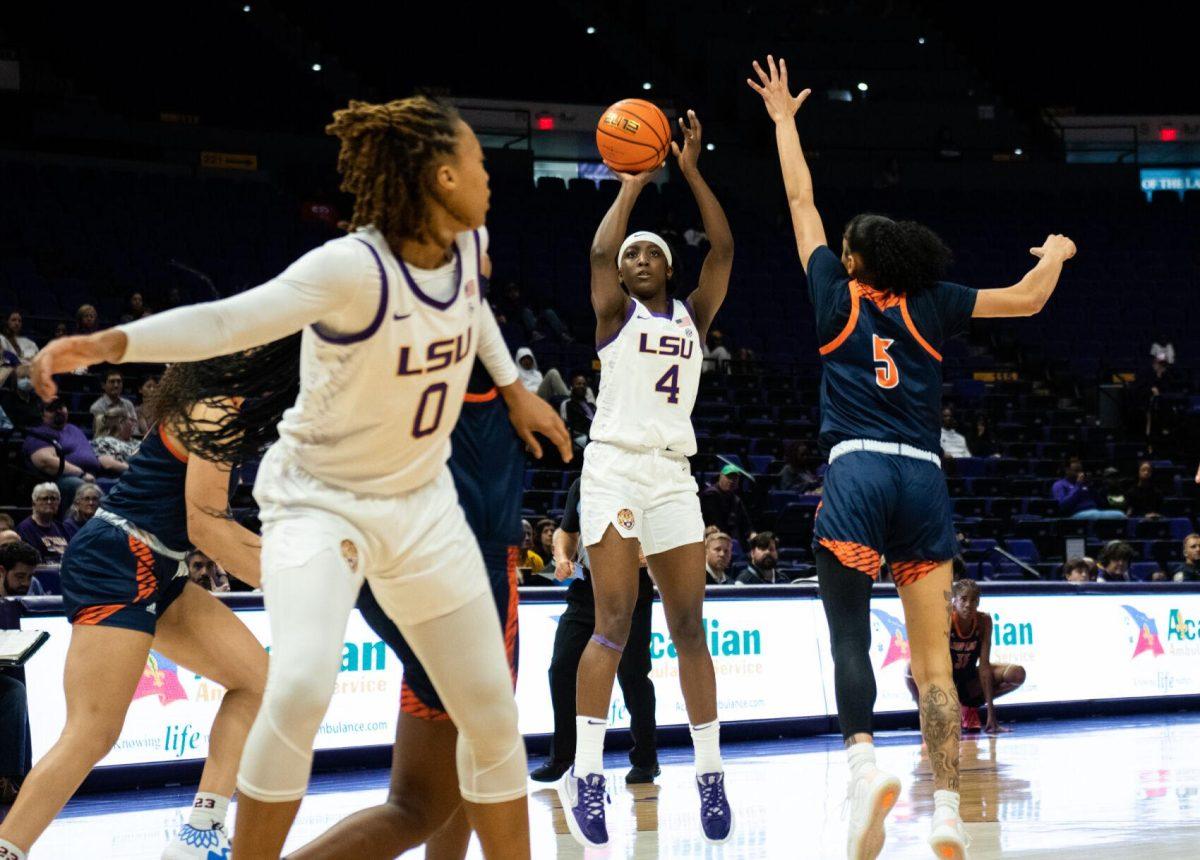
point(669, 384)
point(886, 376)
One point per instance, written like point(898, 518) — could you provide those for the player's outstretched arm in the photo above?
point(781, 106)
point(1029, 295)
point(710, 291)
point(608, 299)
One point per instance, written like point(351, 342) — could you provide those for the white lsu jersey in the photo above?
point(376, 407)
point(649, 377)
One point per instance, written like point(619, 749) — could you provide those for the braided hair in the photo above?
point(388, 159)
point(901, 257)
point(249, 391)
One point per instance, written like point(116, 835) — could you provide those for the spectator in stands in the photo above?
point(6, 522)
point(543, 541)
point(515, 310)
point(86, 320)
point(114, 384)
point(1114, 490)
point(87, 500)
point(1189, 571)
point(1112, 565)
point(41, 529)
point(60, 330)
point(21, 402)
point(8, 536)
point(716, 356)
point(1163, 381)
point(796, 475)
point(15, 349)
point(1075, 498)
point(18, 561)
point(114, 437)
point(550, 387)
point(528, 561)
point(576, 412)
point(1144, 499)
point(1077, 570)
point(205, 572)
point(982, 441)
point(954, 444)
point(718, 552)
point(81, 464)
point(142, 426)
point(763, 568)
point(721, 506)
point(135, 308)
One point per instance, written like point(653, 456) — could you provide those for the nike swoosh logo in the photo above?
point(642, 317)
point(401, 316)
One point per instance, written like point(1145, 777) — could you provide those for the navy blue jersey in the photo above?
point(151, 493)
point(881, 355)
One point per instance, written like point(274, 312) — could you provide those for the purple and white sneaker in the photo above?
point(715, 815)
point(583, 803)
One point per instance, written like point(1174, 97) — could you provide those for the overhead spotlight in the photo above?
point(647, 85)
point(710, 146)
point(920, 40)
point(316, 67)
point(1018, 151)
point(862, 86)
point(591, 31)
point(246, 8)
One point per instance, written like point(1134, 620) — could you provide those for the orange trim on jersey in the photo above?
point(913, 329)
point(882, 299)
point(177, 453)
point(510, 625)
point(490, 394)
point(850, 323)
point(146, 579)
point(909, 572)
point(414, 707)
point(854, 555)
point(95, 614)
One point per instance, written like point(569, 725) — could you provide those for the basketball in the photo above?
point(633, 135)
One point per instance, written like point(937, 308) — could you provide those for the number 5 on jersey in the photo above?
point(886, 374)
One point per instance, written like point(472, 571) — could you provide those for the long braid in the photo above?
point(387, 159)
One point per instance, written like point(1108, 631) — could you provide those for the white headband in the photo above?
point(646, 236)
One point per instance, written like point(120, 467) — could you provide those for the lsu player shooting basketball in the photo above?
point(391, 319)
point(637, 483)
point(882, 316)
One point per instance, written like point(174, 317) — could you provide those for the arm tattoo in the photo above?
point(940, 721)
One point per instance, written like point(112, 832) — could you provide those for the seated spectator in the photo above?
point(135, 308)
point(982, 441)
point(1189, 571)
point(145, 395)
point(764, 560)
point(1075, 498)
point(1114, 490)
point(86, 320)
point(87, 500)
point(82, 464)
point(60, 330)
point(15, 349)
point(6, 522)
point(577, 413)
point(510, 305)
point(716, 356)
point(21, 403)
point(17, 561)
point(721, 506)
point(1077, 570)
point(528, 561)
point(550, 387)
point(205, 572)
point(718, 552)
point(543, 541)
point(114, 436)
point(796, 474)
point(1144, 499)
point(954, 444)
point(114, 384)
point(1112, 565)
point(8, 536)
point(41, 529)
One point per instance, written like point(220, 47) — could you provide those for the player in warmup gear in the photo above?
point(977, 679)
point(391, 319)
point(637, 483)
point(127, 594)
point(423, 803)
point(883, 315)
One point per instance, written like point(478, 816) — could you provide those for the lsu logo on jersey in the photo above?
point(668, 344)
point(625, 518)
point(438, 355)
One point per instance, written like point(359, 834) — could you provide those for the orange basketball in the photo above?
point(633, 135)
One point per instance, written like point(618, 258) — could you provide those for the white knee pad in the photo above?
point(491, 753)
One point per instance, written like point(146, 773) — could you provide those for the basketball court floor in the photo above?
point(1097, 789)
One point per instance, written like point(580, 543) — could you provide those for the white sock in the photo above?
point(10, 852)
point(589, 745)
point(861, 756)
point(706, 741)
point(208, 810)
point(945, 804)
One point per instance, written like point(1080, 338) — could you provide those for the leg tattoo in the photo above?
point(940, 723)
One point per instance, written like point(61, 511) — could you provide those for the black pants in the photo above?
point(575, 628)
point(14, 729)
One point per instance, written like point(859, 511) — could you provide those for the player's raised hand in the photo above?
point(1056, 246)
point(689, 154)
point(531, 414)
point(773, 87)
point(67, 354)
point(639, 180)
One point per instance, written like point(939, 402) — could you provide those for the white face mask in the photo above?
point(25, 384)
